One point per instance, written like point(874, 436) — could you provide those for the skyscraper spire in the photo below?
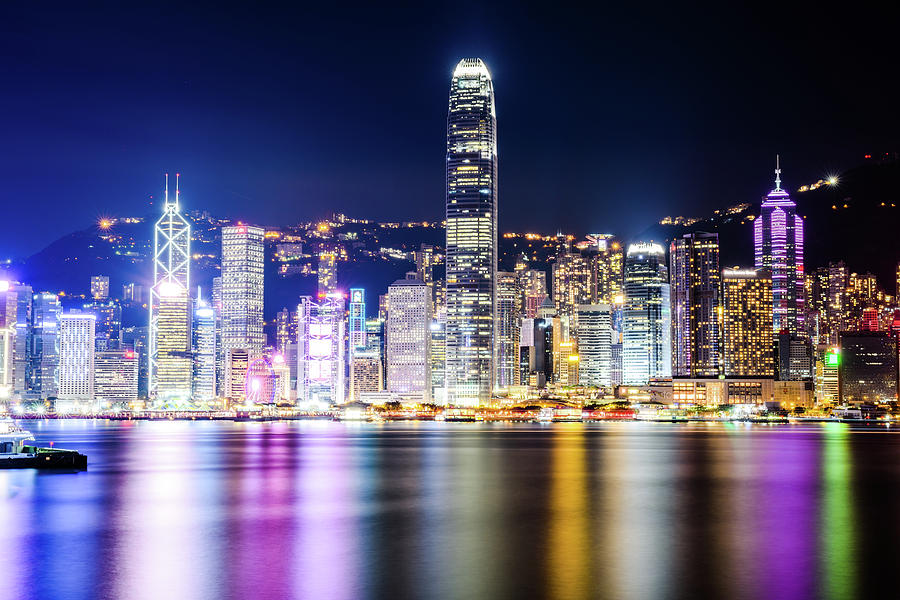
point(166, 204)
point(777, 173)
point(177, 191)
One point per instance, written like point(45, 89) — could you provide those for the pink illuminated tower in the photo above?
point(778, 246)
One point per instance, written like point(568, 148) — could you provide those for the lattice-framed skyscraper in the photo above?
point(169, 342)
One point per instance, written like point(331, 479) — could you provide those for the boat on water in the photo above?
point(17, 453)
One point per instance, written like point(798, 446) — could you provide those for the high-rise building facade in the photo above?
point(471, 229)
point(571, 283)
point(8, 318)
point(778, 248)
point(243, 261)
point(366, 373)
point(837, 305)
point(409, 338)
point(170, 365)
point(606, 269)
point(867, 370)
point(646, 345)
point(695, 285)
point(509, 312)
point(108, 315)
point(203, 343)
point(357, 320)
point(321, 352)
point(237, 362)
point(595, 339)
point(7, 349)
point(327, 274)
point(76, 356)
point(285, 329)
point(23, 344)
point(533, 283)
point(115, 378)
point(439, 356)
point(746, 319)
point(827, 385)
point(100, 287)
point(45, 339)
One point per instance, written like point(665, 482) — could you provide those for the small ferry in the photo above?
point(16, 453)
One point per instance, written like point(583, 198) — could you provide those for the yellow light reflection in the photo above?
point(569, 572)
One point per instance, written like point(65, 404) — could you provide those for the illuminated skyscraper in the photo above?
point(237, 362)
point(439, 356)
point(327, 274)
point(9, 307)
point(366, 373)
point(695, 285)
point(868, 367)
point(778, 248)
point(169, 342)
point(409, 338)
point(471, 233)
point(242, 289)
point(595, 339)
point(647, 339)
point(827, 387)
point(357, 319)
point(571, 283)
point(45, 339)
point(24, 335)
point(606, 269)
point(115, 378)
point(425, 261)
point(7, 349)
point(533, 283)
point(321, 352)
point(108, 330)
point(99, 287)
point(509, 314)
point(837, 307)
point(76, 356)
point(285, 329)
point(204, 351)
point(746, 333)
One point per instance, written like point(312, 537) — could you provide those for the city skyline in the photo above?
point(571, 315)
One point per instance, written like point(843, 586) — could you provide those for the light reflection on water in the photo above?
point(430, 510)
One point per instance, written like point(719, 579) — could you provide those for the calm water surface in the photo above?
point(430, 510)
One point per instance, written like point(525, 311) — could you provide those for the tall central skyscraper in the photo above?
point(170, 364)
point(471, 234)
point(778, 248)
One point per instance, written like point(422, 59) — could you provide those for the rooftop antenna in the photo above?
point(167, 190)
point(777, 173)
point(177, 192)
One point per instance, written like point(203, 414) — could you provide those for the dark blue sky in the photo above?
point(608, 118)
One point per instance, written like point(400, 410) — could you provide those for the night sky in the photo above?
point(608, 119)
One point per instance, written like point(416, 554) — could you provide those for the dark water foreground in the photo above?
point(455, 510)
